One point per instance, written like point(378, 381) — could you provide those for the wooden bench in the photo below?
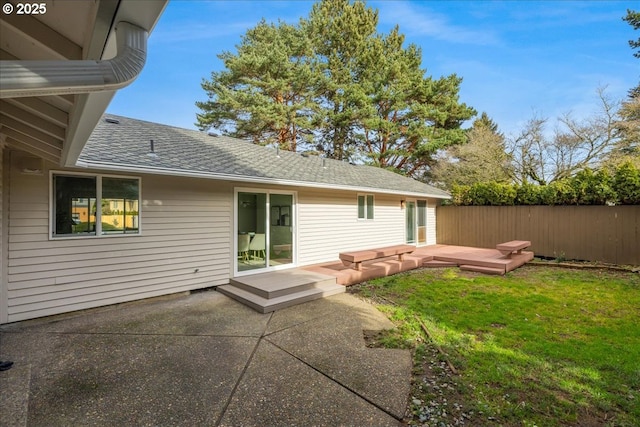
point(357, 257)
point(277, 249)
point(516, 246)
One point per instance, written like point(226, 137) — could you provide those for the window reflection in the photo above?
point(119, 205)
point(76, 202)
point(75, 205)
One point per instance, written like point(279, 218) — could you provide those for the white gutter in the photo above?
point(43, 78)
point(120, 167)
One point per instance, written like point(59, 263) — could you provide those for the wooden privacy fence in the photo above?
point(592, 233)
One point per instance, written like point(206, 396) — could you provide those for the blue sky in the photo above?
point(516, 58)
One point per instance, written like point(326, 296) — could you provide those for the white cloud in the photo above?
point(201, 21)
point(416, 20)
point(183, 31)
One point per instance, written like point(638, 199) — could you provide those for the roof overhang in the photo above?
point(56, 125)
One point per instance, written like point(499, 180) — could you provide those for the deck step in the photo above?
point(266, 305)
point(481, 269)
point(473, 260)
point(281, 283)
point(436, 264)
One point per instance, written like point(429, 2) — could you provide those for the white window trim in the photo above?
point(98, 234)
point(366, 206)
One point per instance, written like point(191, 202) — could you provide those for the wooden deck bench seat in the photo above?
point(357, 257)
point(516, 246)
point(277, 249)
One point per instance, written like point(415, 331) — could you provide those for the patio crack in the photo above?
point(244, 371)
point(334, 380)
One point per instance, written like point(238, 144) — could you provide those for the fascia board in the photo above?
point(247, 179)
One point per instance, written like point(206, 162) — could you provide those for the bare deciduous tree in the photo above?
point(573, 145)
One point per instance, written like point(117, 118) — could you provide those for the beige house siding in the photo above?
point(186, 240)
point(328, 224)
point(3, 279)
point(184, 244)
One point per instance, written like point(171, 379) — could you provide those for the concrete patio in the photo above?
point(204, 359)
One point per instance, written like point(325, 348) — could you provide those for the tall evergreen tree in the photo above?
point(629, 124)
point(628, 148)
point(339, 32)
point(381, 106)
point(266, 91)
point(633, 18)
point(487, 122)
point(334, 81)
point(482, 159)
point(411, 116)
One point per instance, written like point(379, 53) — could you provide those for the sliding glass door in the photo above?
point(411, 221)
point(252, 231)
point(416, 222)
point(265, 230)
point(422, 222)
point(280, 229)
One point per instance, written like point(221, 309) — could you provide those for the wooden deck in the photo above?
point(488, 261)
point(274, 290)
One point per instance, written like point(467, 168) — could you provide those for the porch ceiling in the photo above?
point(55, 128)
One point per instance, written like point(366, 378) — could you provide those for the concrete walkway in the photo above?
point(203, 360)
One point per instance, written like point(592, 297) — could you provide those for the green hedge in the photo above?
point(588, 187)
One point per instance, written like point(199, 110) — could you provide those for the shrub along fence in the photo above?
point(620, 187)
point(591, 233)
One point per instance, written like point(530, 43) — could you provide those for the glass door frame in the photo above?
point(294, 234)
point(410, 207)
point(416, 213)
point(425, 214)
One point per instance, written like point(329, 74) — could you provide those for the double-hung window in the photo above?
point(94, 205)
point(365, 206)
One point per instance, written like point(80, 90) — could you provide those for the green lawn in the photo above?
point(539, 346)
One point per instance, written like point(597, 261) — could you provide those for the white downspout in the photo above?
point(62, 77)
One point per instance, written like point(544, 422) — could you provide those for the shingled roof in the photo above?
point(123, 144)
